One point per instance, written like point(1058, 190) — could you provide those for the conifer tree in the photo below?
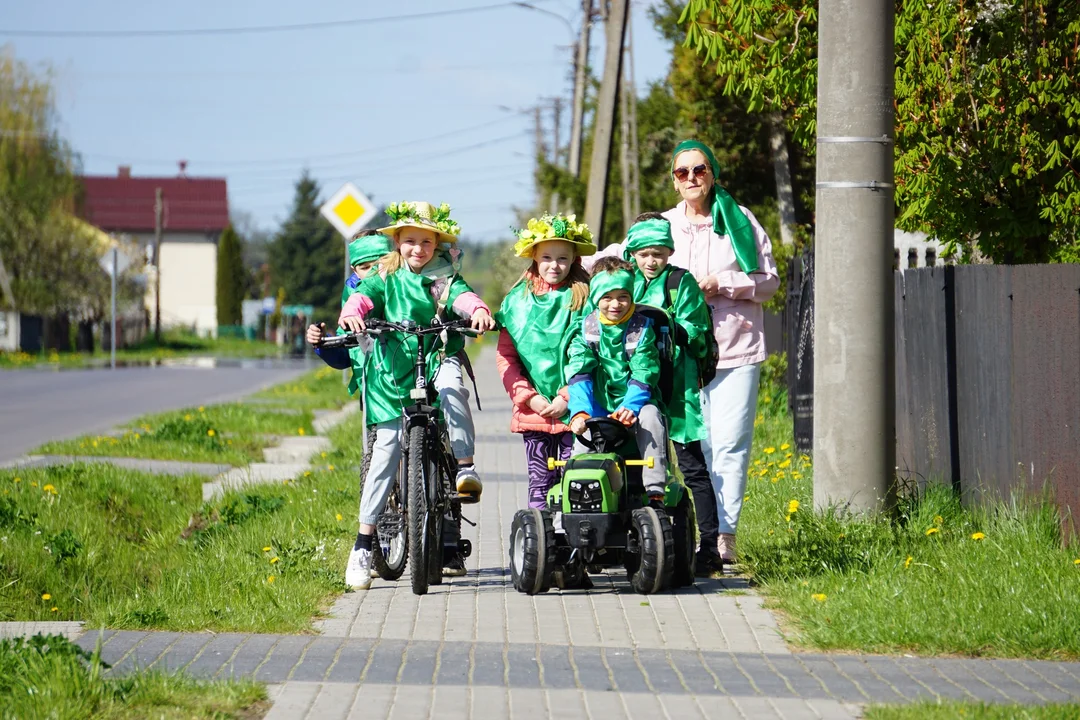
point(231, 278)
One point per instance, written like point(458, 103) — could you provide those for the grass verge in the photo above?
point(232, 433)
point(50, 677)
point(174, 344)
point(322, 388)
point(125, 550)
point(937, 578)
point(983, 711)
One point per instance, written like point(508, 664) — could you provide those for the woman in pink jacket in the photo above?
point(538, 317)
point(727, 251)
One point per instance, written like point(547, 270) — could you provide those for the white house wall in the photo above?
point(188, 284)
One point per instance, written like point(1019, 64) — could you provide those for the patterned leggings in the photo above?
point(539, 446)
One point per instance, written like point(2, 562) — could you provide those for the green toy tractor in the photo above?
point(598, 516)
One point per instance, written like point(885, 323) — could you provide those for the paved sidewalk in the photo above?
point(475, 648)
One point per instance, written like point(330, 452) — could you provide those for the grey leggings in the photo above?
point(386, 451)
point(651, 436)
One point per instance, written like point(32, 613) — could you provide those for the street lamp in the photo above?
point(569, 27)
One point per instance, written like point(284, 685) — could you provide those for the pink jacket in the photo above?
point(738, 318)
point(521, 391)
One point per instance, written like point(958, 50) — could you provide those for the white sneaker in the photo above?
point(358, 571)
point(725, 545)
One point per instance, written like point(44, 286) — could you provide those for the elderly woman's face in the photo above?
point(692, 175)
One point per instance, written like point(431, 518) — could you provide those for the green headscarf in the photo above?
point(604, 282)
point(655, 232)
point(368, 248)
point(727, 218)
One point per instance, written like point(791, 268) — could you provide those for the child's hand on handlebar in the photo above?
point(315, 334)
point(577, 424)
point(482, 321)
point(625, 416)
point(354, 323)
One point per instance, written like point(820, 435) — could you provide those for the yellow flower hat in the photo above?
point(422, 215)
point(555, 227)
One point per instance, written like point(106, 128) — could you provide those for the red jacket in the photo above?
point(521, 390)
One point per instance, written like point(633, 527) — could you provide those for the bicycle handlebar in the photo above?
point(376, 326)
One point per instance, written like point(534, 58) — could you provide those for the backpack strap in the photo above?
point(671, 286)
point(591, 331)
point(635, 329)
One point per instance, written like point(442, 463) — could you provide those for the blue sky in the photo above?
point(257, 108)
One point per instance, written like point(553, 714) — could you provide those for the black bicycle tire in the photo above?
point(417, 511)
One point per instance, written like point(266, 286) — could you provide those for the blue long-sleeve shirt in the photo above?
point(336, 357)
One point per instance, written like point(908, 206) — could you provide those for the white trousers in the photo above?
point(729, 405)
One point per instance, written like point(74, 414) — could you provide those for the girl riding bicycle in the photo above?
point(417, 282)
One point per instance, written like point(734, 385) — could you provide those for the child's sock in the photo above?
point(464, 466)
point(363, 542)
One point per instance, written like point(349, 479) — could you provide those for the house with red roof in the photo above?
point(195, 211)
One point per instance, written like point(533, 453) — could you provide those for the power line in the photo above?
point(251, 30)
point(224, 165)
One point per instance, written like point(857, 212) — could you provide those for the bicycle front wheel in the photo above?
point(420, 513)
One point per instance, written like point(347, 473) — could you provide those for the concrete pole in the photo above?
point(557, 112)
point(854, 396)
point(624, 147)
point(581, 66)
point(159, 210)
point(596, 195)
point(631, 89)
point(112, 302)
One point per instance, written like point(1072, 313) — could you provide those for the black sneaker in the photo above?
point(708, 564)
point(456, 566)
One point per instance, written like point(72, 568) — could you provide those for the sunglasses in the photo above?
point(681, 173)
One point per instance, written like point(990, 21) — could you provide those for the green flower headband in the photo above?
point(555, 227)
point(424, 215)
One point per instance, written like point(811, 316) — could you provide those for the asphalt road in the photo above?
point(41, 405)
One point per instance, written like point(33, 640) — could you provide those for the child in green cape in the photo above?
point(416, 283)
point(537, 317)
point(658, 283)
point(607, 379)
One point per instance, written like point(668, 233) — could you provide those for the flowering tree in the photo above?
point(987, 106)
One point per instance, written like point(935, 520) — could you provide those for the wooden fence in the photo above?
point(987, 379)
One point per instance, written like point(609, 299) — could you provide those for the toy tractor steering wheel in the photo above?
point(605, 434)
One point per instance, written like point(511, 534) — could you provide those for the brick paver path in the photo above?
point(475, 648)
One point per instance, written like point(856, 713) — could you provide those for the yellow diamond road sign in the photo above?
point(348, 210)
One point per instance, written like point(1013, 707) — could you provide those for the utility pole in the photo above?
point(541, 152)
point(159, 211)
point(581, 66)
point(596, 196)
point(624, 156)
point(854, 365)
point(557, 112)
point(631, 88)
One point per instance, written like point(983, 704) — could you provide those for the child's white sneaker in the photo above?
point(358, 571)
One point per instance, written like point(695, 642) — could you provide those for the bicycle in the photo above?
point(428, 465)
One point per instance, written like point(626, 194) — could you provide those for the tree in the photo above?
point(987, 106)
point(232, 278)
point(307, 256)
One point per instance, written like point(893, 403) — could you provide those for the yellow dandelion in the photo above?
point(804, 458)
point(137, 436)
point(769, 450)
point(299, 431)
point(932, 531)
point(907, 563)
point(188, 417)
point(770, 532)
point(786, 463)
point(33, 483)
point(938, 520)
point(776, 479)
point(338, 517)
point(785, 446)
point(767, 399)
point(820, 597)
point(18, 480)
point(266, 549)
point(46, 596)
point(270, 580)
point(841, 536)
point(210, 432)
point(806, 583)
point(330, 468)
point(202, 409)
point(788, 517)
point(759, 461)
point(793, 506)
point(54, 609)
point(322, 454)
point(307, 473)
point(781, 474)
point(797, 475)
point(978, 536)
point(93, 443)
point(48, 488)
point(274, 559)
point(1076, 561)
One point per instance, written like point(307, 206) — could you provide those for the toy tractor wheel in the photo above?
point(650, 569)
point(682, 530)
point(532, 551)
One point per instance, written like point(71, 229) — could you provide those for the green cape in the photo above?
point(728, 218)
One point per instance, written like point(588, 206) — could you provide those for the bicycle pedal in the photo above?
point(467, 498)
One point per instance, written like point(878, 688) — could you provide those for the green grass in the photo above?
point(125, 550)
point(918, 582)
point(174, 344)
point(50, 677)
point(233, 433)
point(975, 711)
point(321, 388)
